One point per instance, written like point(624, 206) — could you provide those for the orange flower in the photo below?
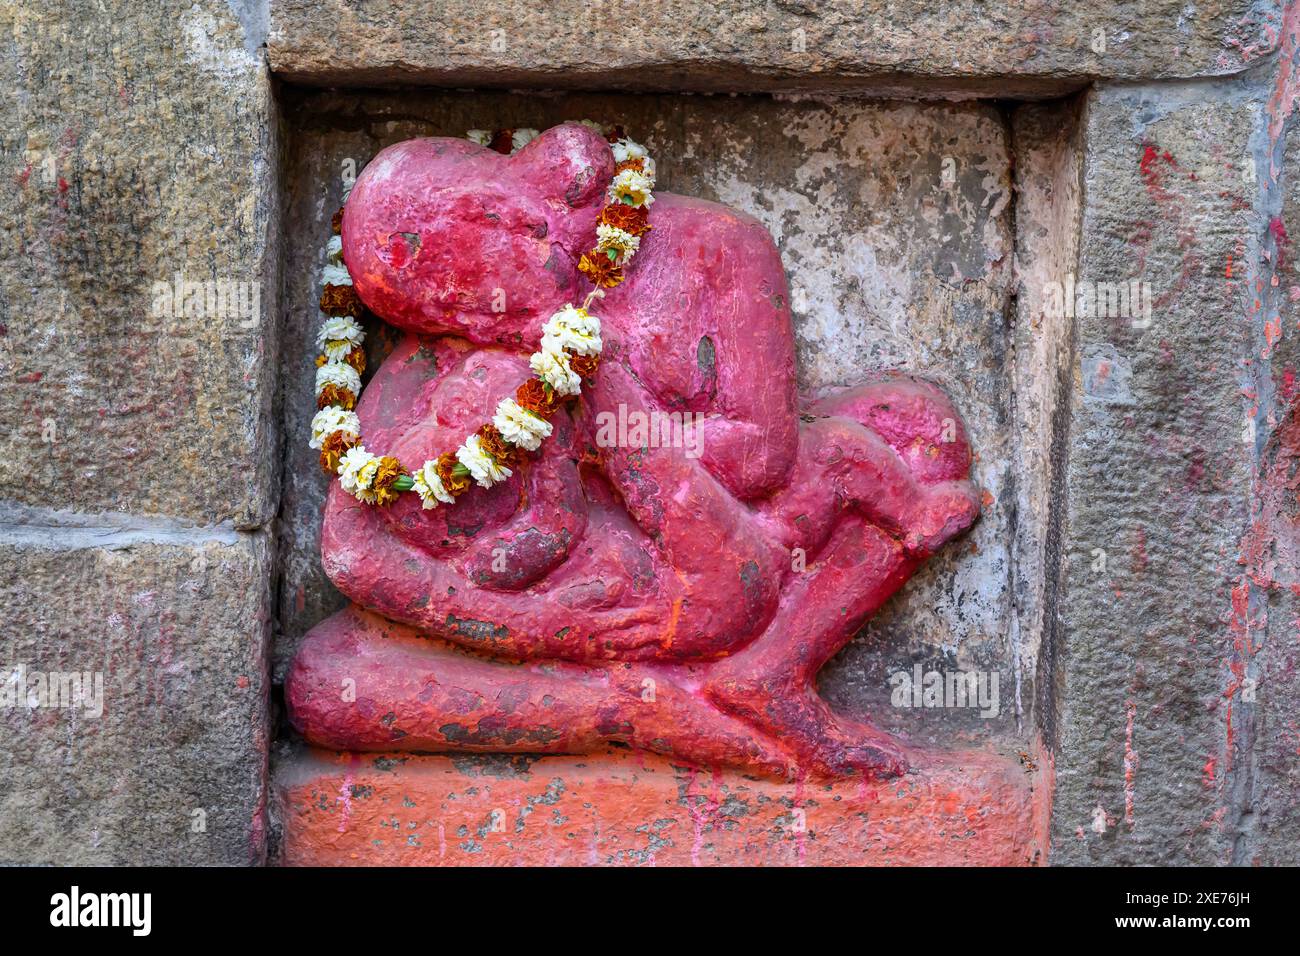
point(334, 395)
point(637, 164)
point(598, 267)
point(336, 224)
point(503, 141)
point(455, 482)
point(341, 300)
point(584, 365)
point(355, 357)
point(332, 449)
point(390, 469)
point(533, 396)
point(490, 441)
point(631, 219)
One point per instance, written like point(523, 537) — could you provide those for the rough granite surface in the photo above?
point(884, 47)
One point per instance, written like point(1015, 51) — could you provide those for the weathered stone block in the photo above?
point(1157, 483)
point(623, 809)
point(1263, 681)
point(172, 625)
point(140, 149)
point(1008, 50)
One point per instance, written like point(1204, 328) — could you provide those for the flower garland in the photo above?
point(569, 354)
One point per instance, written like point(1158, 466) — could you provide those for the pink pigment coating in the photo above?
point(631, 593)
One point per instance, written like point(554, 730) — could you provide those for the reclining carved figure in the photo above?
point(673, 599)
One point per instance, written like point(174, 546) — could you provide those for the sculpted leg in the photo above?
point(771, 683)
point(360, 682)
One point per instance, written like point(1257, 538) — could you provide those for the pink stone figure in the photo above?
point(675, 593)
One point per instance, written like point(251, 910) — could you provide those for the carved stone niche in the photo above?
point(798, 643)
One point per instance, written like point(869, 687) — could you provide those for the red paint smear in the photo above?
point(1140, 559)
point(1196, 469)
point(1130, 761)
point(1287, 87)
point(1280, 238)
point(1155, 167)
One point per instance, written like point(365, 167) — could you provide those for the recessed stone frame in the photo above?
point(1151, 566)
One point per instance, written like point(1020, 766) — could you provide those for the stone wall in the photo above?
point(1135, 573)
point(139, 450)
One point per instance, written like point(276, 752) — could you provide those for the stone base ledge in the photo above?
point(621, 808)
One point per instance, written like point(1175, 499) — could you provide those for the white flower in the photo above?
point(632, 186)
point(331, 419)
point(519, 426)
point(620, 240)
point(521, 138)
point(339, 374)
point(337, 336)
point(334, 250)
point(481, 465)
point(625, 149)
point(357, 471)
point(429, 486)
point(481, 136)
point(552, 367)
point(335, 274)
point(590, 124)
point(574, 329)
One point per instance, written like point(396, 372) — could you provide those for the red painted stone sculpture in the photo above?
point(676, 596)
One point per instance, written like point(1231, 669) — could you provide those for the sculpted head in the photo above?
point(444, 236)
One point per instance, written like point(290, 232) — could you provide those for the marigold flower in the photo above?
point(572, 329)
point(340, 300)
point(503, 141)
point(336, 273)
point(487, 471)
point(633, 220)
point(521, 138)
point(584, 366)
point(333, 448)
point(552, 366)
point(429, 486)
point(331, 394)
point(356, 357)
point(632, 187)
point(624, 244)
point(625, 150)
point(533, 396)
point(519, 426)
point(389, 470)
point(333, 419)
point(494, 443)
point(357, 470)
point(338, 331)
point(453, 479)
point(602, 272)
